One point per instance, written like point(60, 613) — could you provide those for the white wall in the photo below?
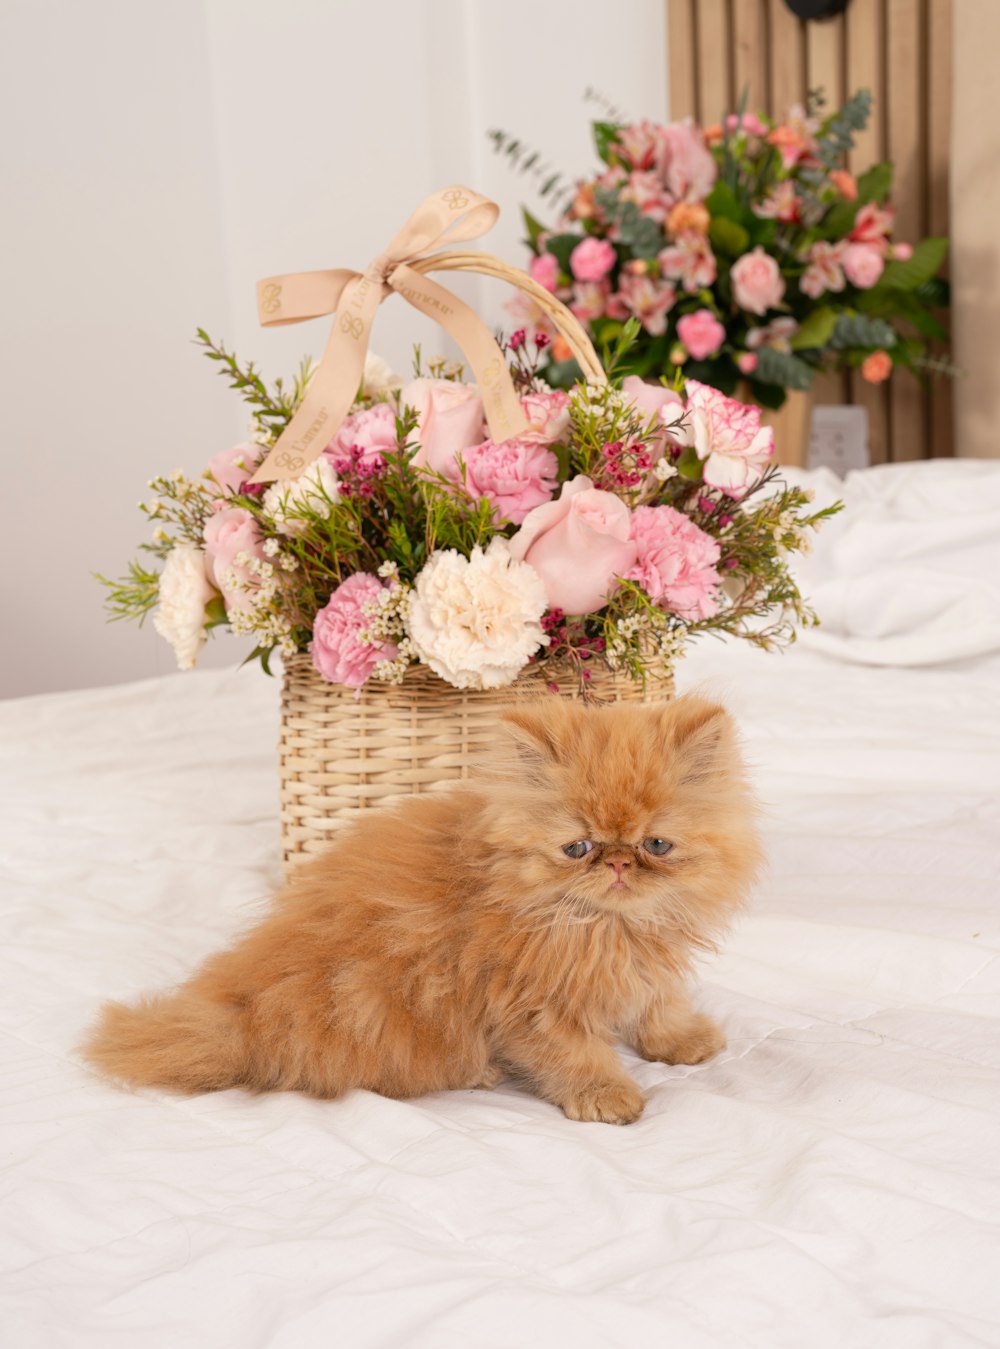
point(159, 159)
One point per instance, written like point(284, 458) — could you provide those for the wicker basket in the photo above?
point(342, 753)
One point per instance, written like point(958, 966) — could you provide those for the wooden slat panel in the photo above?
point(750, 53)
point(824, 60)
point(939, 68)
point(904, 49)
point(786, 58)
point(682, 59)
point(865, 42)
point(714, 93)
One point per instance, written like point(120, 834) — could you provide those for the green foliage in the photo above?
point(815, 330)
point(779, 367)
point(874, 184)
point(858, 330)
point(927, 259)
point(133, 596)
point(727, 237)
point(605, 137)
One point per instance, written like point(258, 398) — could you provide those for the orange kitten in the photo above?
point(518, 923)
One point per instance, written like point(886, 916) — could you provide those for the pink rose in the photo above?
point(702, 333)
point(592, 259)
point(757, 283)
point(228, 533)
point(863, 265)
point(514, 476)
point(337, 651)
point(373, 431)
point(545, 270)
point(232, 468)
point(685, 163)
point(449, 420)
point(548, 416)
point(728, 436)
point(676, 563)
point(578, 545)
point(653, 400)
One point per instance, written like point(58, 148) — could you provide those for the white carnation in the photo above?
point(378, 377)
point(475, 620)
point(315, 490)
point(184, 592)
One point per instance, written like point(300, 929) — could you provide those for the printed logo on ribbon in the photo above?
point(351, 325)
point(270, 297)
point(455, 199)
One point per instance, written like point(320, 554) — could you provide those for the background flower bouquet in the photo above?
point(745, 250)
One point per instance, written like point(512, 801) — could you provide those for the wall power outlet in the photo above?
point(838, 438)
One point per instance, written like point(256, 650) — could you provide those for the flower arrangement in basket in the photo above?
point(419, 551)
point(745, 250)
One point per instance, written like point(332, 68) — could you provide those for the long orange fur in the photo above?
point(449, 942)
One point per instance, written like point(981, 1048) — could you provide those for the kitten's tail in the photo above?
point(180, 1040)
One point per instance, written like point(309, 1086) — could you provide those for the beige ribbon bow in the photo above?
point(452, 215)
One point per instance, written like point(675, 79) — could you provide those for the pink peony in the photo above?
point(373, 431)
point(689, 260)
point(757, 283)
point(548, 416)
point(578, 545)
point(702, 333)
point(685, 163)
point(677, 562)
point(450, 419)
point(232, 468)
point(337, 650)
point(728, 436)
point(592, 259)
point(647, 299)
point(863, 265)
point(228, 533)
point(514, 476)
point(545, 270)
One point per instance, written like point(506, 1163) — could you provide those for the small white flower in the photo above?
point(184, 592)
point(664, 469)
point(314, 491)
point(475, 620)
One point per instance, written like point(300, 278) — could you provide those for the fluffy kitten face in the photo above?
point(642, 812)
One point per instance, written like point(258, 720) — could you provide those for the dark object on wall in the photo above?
point(816, 9)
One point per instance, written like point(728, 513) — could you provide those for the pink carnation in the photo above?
point(228, 533)
point(545, 270)
point(514, 476)
point(373, 431)
point(728, 437)
point(592, 259)
point(702, 333)
point(548, 416)
point(676, 563)
point(337, 650)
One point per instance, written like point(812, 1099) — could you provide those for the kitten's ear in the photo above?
point(700, 733)
point(535, 729)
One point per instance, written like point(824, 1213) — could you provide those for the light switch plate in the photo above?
point(838, 438)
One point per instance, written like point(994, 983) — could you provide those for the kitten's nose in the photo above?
point(619, 864)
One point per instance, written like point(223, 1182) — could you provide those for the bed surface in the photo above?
point(831, 1180)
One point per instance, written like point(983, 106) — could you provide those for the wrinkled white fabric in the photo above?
point(909, 572)
point(830, 1181)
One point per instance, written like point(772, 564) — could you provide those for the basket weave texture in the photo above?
point(341, 754)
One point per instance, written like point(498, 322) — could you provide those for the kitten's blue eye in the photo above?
point(578, 849)
point(659, 847)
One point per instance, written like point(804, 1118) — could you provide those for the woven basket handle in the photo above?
point(570, 327)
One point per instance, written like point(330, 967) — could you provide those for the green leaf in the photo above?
point(904, 304)
point(857, 330)
point(534, 228)
point(874, 184)
point(728, 237)
point(778, 367)
point(721, 201)
point(816, 330)
point(927, 258)
point(689, 465)
point(839, 220)
point(638, 232)
point(767, 395)
point(561, 246)
point(605, 137)
point(215, 613)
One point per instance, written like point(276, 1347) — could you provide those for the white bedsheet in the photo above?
point(830, 1182)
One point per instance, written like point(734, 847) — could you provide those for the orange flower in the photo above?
point(688, 215)
point(877, 367)
point(713, 133)
point(845, 183)
point(561, 349)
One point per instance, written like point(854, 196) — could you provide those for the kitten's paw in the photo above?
point(699, 1040)
point(607, 1103)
